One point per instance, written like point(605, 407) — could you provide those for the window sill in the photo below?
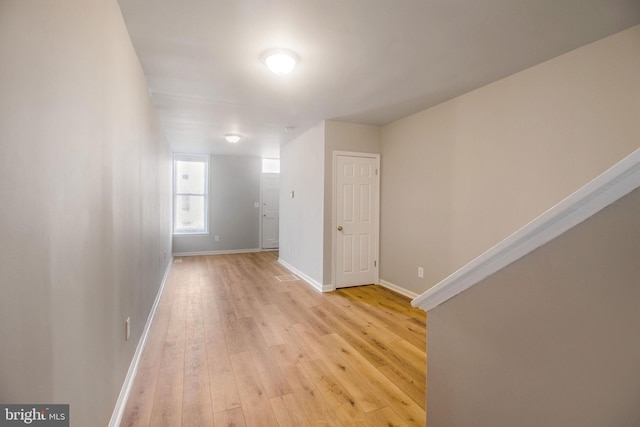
point(194, 233)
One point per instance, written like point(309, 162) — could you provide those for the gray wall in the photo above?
point(307, 168)
point(301, 217)
point(462, 176)
point(340, 136)
point(551, 340)
point(234, 187)
point(85, 179)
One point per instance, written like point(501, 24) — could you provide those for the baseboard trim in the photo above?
point(118, 411)
point(402, 291)
point(225, 252)
point(314, 283)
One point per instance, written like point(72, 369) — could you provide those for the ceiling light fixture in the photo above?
point(280, 61)
point(232, 138)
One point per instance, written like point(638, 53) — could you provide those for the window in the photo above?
point(270, 165)
point(190, 193)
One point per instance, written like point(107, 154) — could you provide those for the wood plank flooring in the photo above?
point(238, 341)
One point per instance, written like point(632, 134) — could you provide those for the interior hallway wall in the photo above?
point(85, 180)
point(301, 212)
point(460, 177)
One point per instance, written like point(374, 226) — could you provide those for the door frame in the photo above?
point(334, 212)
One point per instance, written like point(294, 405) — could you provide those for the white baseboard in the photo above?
point(398, 289)
point(316, 285)
point(226, 252)
point(118, 411)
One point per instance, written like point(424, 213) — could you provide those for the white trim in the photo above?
point(605, 189)
point(261, 206)
point(334, 213)
point(402, 291)
point(201, 158)
point(316, 285)
point(121, 403)
point(230, 251)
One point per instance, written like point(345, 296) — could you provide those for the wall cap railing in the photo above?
point(613, 184)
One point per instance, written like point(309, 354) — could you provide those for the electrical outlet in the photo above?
point(216, 238)
point(421, 272)
point(127, 324)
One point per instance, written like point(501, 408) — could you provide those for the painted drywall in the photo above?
point(462, 176)
point(551, 339)
point(85, 179)
point(234, 188)
point(302, 220)
point(302, 216)
point(341, 136)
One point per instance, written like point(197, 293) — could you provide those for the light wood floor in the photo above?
point(233, 343)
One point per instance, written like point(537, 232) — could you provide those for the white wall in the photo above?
point(85, 179)
point(460, 177)
point(234, 188)
point(302, 217)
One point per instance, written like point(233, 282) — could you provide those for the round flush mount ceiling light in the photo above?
point(232, 138)
point(280, 61)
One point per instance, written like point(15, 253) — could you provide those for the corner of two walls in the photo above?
point(460, 177)
point(85, 176)
point(307, 169)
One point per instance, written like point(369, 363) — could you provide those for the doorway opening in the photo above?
point(270, 224)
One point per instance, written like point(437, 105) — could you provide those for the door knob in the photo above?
point(339, 228)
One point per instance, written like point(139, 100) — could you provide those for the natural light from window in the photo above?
point(270, 165)
point(190, 194)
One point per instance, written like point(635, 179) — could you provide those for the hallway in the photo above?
point(237, 340)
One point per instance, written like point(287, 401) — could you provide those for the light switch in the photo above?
point(256, 205)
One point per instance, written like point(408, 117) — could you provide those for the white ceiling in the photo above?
point(363, 61)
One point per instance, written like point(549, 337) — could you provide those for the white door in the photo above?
point(270, 210)
point(356, 188)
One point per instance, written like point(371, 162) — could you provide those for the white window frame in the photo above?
point(202, 158)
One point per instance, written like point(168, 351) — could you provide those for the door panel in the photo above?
point(270, 210)
point(357, 220)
